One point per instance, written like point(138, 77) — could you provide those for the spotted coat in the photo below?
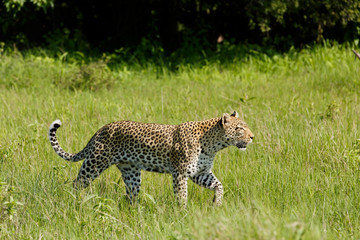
point(185, 151)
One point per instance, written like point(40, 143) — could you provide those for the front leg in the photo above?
point(208, 180)
point(180, 187)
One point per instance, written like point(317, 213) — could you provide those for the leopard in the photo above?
point(186, 151)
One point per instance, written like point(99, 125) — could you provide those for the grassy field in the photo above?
point(299, 180)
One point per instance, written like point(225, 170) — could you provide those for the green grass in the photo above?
point(299, 180)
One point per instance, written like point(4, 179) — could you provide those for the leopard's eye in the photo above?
point(237, 128)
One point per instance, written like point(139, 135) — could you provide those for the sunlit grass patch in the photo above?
point(300, 178)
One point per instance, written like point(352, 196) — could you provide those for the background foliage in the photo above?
point(111, 25)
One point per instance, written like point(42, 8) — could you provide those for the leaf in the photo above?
point(151, 198)
point(88, 197)
point(71, 194)
point(63, 56)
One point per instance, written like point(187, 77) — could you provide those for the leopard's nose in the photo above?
point(252, 137)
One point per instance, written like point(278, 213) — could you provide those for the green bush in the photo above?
point(93, 76)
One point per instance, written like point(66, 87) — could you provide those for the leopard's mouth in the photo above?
point(241, 145)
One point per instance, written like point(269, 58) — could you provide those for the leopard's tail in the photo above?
point(55, 144)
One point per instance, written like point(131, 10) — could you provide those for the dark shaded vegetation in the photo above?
point(175, 28)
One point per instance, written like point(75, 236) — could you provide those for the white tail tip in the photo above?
point(56, 124)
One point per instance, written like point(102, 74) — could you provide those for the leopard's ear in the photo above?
point(226, 120)
point(235, 114)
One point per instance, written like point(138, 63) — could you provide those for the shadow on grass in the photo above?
point(193, 52)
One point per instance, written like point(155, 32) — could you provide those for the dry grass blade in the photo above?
point(356, 53)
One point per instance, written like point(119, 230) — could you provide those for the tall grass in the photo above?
point(300, 178)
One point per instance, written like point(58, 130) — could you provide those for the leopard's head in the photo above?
point(237, 132)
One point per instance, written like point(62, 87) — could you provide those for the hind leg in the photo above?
point(90, 169)
point(131, 176)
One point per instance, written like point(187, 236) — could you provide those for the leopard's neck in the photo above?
point(212, 139)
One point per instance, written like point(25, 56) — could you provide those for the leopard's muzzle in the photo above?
point(241, 145)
